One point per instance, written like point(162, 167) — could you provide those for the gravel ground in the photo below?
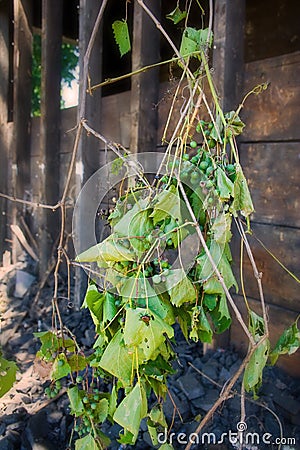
point(29, 420)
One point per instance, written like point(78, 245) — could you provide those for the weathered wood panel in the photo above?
point(279, 287)
point(273, 173)
point(279, 319)
point(144, 86)
point(273, 115)
point(5, 49)
point(50, 126)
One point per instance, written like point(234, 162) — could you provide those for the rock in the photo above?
point(23, 282)
point(2, 428)
point(6, 444)
point(207, 401)
point(182, 406)
point(191, 386)
point(224, 375)
point(37, 432)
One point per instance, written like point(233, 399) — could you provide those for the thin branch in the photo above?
point(224, 395)
point(215, 268)
point(257, 274)
point(29, 203)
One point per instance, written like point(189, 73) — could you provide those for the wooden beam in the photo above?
point(145, 86)
point(50, 126)
point(228, 64)
point(88, 156)
point(228, 51)
point(19, 155)
point(5, 134)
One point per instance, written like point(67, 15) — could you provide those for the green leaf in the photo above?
point(242, 198)
point(116, 359)
point(108, 251)
point(176, 15)
point(253, 372)
point(8, 371)
point(167, 205)
point(166, 447)
point(256, 325)
point(132, 410)
point(221, 228)
point(113, 402)
point(77, 362)
point(157, 416)
point(121, 34)
point(193, 40)
point(225, 185)
point(221, 316)
point(200, 326)
point(152, 433)
point(147, 336)
point(86, 443)
point(182, 291)
point(61, 368)
point(49, 344)
point(77, 407)
point(109, 308)
point(102, 409)
point(210, 301)
point(288, 343)
point(94, 302)
point(140, 225)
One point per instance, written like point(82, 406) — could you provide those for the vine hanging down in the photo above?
point(166, 261)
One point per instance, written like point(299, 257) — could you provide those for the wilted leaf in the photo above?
point(120, 365)
point(288, 343)
point(109, 250)
point(224, 184)
point(253, 372)
point(180, 292)
point(147, 336)
point(132, 410)
point(220, 315)
point(176, 15)
point(242, 198)
point(221, 228)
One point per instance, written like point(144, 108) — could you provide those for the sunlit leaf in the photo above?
point(132, 410)
point(120, 365)
point(8, 370)
point(77, 407)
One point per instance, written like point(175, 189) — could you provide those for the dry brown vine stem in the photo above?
point(257, 274)
point(226, 392)
point(235, 393)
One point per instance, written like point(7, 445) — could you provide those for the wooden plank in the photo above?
point(50, 127)
point(88, 152)
point(280, 318)
point(144, 87)
point(273, 115)
point(5, 49)
point(261, 20)
point(273, 173)
point(228, 64)
point(19, 155)
point(228, 51)
point(279, 287)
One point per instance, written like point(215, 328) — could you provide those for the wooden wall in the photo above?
point(270, 155)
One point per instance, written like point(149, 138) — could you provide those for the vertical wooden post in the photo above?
point(5, 50)
point(228, 64)
point(50, 126)
point(145, 86)
point(88, 156)
point(19, 157)
point(228, 50)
